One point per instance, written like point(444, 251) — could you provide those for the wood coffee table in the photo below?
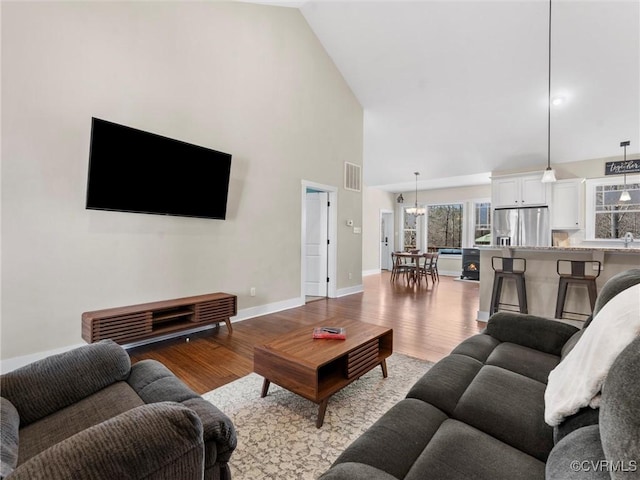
point(317, 368)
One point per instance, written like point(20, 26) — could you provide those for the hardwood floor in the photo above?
point(427, 324)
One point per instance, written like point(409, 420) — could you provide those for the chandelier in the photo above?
point(415, 210)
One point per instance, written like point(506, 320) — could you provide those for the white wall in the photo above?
point(245, 79)
point(449, 195)
point(465, 195)
point(374, 200)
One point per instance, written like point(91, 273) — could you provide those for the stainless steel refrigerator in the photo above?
point(522, 227)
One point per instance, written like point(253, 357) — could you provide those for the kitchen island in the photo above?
point(542, 278)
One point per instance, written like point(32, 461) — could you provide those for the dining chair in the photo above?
point(426, 270)
point(399, 266)
point(434, 267)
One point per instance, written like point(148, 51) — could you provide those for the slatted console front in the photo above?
point(363, 359)
point(149, 320)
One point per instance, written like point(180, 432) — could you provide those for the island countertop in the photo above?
point(542, 277)
point(573, 248)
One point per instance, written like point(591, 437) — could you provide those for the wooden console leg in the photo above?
point(383, 365)
point(265, 388)
point(228, 323)
point(321, 411)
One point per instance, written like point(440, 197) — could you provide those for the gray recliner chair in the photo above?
point(89, 414)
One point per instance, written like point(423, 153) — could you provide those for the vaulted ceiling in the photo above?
point(457, 89)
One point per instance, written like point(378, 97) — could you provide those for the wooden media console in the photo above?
point(149, 320)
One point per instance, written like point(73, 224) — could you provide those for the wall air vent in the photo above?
point(352, 177)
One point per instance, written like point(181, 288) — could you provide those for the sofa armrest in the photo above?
point(616, 284)
point(531, 331)
point(217, 427)
point(154, 382)
point(9, 427)
point(159, 441)
point(66, 378)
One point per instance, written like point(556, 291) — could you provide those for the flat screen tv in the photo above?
point(135, 171)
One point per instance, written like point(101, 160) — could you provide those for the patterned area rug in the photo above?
point(277, 436)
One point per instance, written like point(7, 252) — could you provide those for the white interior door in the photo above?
point(317, 205)
point(386, 239)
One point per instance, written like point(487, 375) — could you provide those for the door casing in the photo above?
point(386, 230)
point(332, 229)
point(316, 246)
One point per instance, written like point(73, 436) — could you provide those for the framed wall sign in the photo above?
point(623, 166)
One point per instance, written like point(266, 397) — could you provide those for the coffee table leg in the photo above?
point(265, 388)
point(321, 411)
point(383, 365)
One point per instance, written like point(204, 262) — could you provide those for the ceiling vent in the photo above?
point(352, 177)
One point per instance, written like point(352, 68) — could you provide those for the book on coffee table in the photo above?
point(337, 333)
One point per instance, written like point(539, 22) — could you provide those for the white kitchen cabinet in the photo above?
point(519, 191)
point(566, 205)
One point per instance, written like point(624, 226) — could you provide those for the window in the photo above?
point(448, 226)
point(607, 217)
point(482, 223)
point(444, 226)
point(410, 230)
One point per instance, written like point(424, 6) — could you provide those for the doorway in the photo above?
point(318, 259)
point(386, 239)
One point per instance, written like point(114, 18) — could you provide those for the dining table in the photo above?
point(413, 258)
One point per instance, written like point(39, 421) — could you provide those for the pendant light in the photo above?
point(549, 175)
point(415, 210)
point(624, 196)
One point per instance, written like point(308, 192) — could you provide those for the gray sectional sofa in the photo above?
point(479, 413)
point(90, 414)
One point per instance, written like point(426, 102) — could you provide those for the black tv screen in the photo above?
point(135, 171)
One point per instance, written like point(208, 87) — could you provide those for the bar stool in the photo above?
point(510, 268)
point(576, 272)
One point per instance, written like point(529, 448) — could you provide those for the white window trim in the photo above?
point(468, 221)
point(471, 221)
point(465, 209)
point(590, 201)
point(420, 227)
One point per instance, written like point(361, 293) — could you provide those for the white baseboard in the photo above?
point(446, 273)
point(343, 292)
point(449, 273)
point(482, 316)
point(259, 310)
point(16, 362)
point(10, 364)
point(366, 273)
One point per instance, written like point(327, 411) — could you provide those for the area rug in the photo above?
point(277, 436)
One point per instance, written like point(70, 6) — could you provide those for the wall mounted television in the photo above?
point(131, 170)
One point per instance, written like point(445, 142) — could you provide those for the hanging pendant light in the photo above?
point(415, 210)
point(624, 196)
point(549, 175)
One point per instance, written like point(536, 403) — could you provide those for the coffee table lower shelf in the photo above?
point(316, 369)
point(322, 403)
